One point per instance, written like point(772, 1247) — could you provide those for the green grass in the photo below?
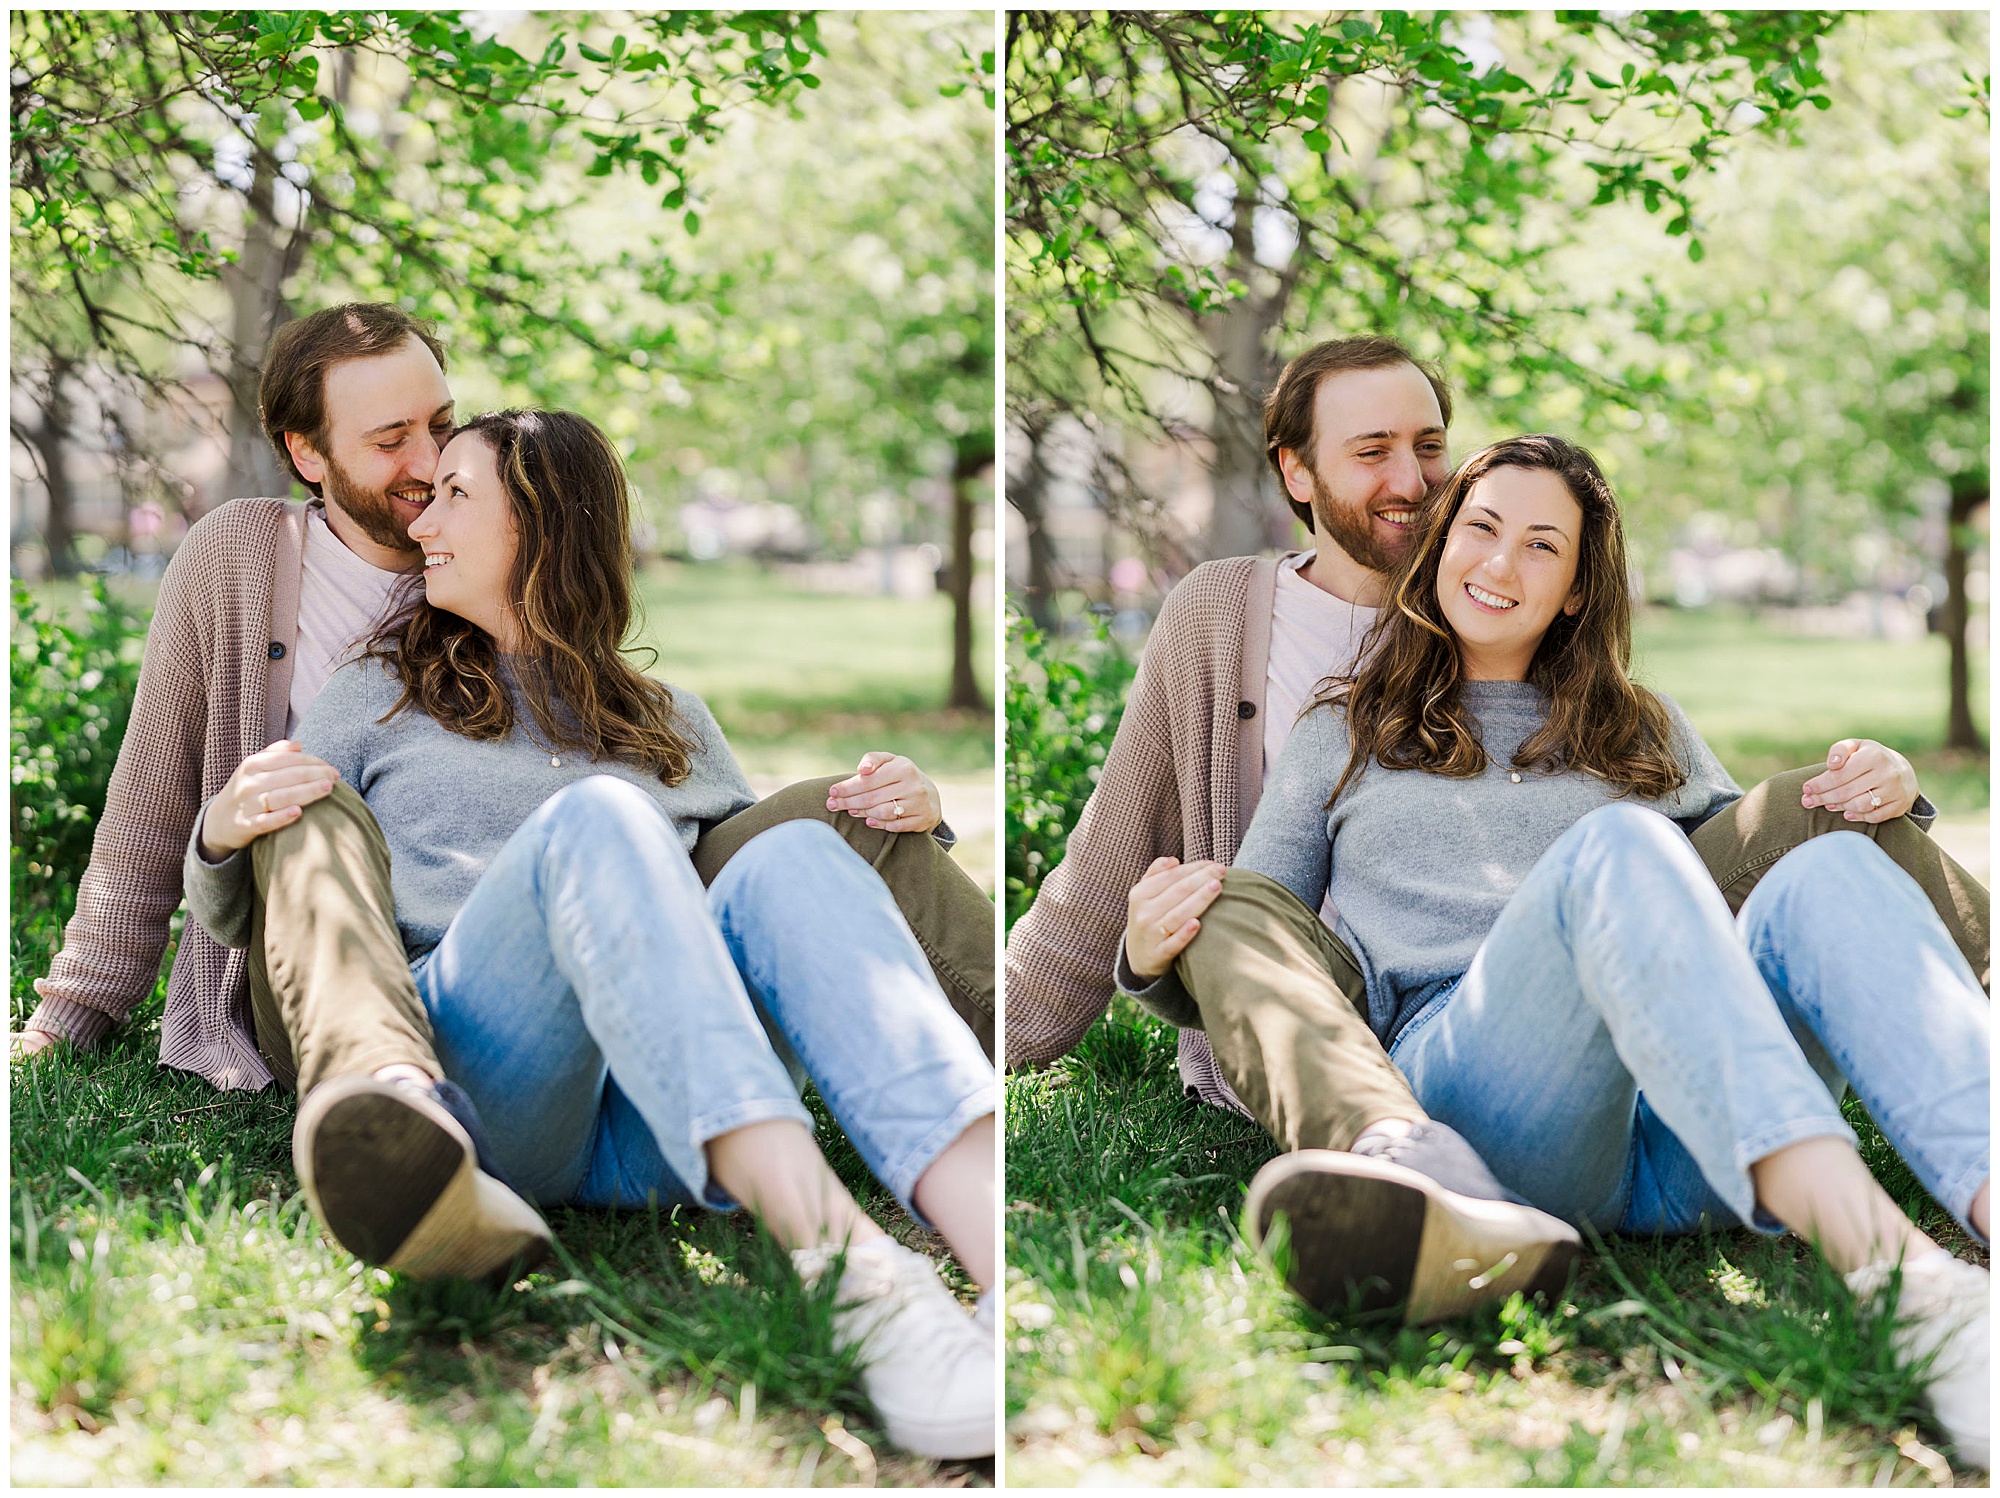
point(178, 1318)
point(801, 681)
point(1148, 1345)
point(1768, 702)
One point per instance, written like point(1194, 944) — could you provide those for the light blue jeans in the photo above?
point(1622, 1050)
point(609, 1016)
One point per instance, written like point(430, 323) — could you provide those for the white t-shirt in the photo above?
point(341, 597)
point(1313, 635)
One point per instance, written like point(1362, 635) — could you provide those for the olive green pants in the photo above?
point(1283, 1002)
point(330, 985)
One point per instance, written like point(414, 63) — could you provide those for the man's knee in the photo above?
point(340, 819)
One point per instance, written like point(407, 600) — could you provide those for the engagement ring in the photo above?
point(1874, 803)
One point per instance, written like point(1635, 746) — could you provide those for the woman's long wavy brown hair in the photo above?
point(1402, 698)
point(571, 592)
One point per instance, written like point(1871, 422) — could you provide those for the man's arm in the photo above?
point(110, 959)
point(1061, 951)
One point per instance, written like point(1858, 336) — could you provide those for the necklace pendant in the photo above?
point(556, 760)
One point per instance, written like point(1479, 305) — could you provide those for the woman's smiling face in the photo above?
point(468, 538)
point(1508, 568)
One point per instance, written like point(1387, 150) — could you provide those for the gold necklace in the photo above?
point(526, 719)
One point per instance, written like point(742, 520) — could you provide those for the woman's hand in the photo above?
point(1163, 912)
point(1866, 781)
point(890, 792)
point(269, 790)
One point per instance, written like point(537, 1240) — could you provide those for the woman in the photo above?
point(624, 1034)
point(1492, 803)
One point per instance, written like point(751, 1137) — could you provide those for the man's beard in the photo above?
point(373, 511)
point(1351, 529)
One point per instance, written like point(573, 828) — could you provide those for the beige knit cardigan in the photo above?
point(213, 688)
point(1182, 778)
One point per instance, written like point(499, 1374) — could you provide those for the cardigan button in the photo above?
point(1246, 709)
point(277, 650)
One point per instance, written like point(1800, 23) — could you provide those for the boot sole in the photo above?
point(395, 1181)
point(1367, 1235)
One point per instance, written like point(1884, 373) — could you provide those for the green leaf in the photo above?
point(1318, 142)
point(691, 221)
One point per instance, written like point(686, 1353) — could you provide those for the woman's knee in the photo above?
point(793, 847)
point(599, 813)
point(1622, 833)
point(601, 798)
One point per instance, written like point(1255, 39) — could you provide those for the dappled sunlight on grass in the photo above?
point(1147, 1344)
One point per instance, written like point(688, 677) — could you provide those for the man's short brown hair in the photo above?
point(291, 395)
point(1288, 409)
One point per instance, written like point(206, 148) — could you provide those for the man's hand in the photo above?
point(21, 1044)
point(269, 790)
point(1163, 912)
point(890, 792)
point(1865, 781)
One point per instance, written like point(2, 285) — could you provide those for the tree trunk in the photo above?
point(1028, 495)
point(1967, 494)
point(256, 306)
point(49, 438)
point(974, 454)
point(1246, 519)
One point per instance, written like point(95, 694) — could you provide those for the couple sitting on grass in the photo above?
point(1499, 915)
point(507, 912)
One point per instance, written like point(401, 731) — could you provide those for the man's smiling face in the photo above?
point(1379, 435)
point(387, 417)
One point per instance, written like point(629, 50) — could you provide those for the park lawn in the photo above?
point(1768, 701)
point(179, 1319)
point(1148, 1345)
point(803, 683)
point(806, 683)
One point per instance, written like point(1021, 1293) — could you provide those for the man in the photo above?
point(1381, 1200)
point(262, 601)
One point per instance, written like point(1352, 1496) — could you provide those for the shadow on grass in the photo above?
point(174, 1298)
point(1148, 1343)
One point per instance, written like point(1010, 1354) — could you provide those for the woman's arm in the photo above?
point(270, 790)
point(1288, 840)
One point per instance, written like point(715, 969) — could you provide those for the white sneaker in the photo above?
point(1946, 1307)
point(930, 1370)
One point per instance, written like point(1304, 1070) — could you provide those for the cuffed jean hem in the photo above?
point(1959, 1195)
point(1761, 1146)
point(901, 1176)
point(728, 1121)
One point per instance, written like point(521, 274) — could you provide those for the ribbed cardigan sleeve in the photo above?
point(110, 959)
point(1155, 797)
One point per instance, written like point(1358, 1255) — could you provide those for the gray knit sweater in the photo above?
point(1421, 865)
point(447, 804)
